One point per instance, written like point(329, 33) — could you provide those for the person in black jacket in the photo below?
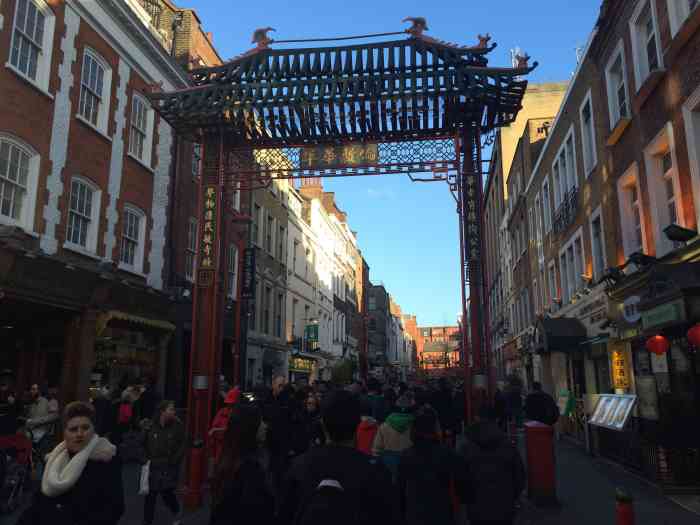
point(360, 481)
point(432, 478)
point(540, 406)
point(443, 403)
point(239, 488)
point(496, 474)
point(82, 481)
point(279, 414)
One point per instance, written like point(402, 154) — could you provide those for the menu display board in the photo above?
point(613, 411)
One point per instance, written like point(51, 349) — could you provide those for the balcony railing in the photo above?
point(566, 213)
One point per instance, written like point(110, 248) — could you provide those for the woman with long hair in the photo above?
point(239, 488)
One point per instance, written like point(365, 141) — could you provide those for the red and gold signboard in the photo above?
point(348, 155)
point(207, 244)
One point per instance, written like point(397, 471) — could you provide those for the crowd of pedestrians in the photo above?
point(294, 456)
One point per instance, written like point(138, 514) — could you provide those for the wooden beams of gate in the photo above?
point(413, 88)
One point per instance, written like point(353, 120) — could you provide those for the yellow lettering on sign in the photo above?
point(211, 192)
point(209, 215)
point(370, 153)
point(207, 239)
point(206, 261)
point(209, 204)
point(329, 156)
point(351, 154)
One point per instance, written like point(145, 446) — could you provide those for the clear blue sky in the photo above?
point(408, 232)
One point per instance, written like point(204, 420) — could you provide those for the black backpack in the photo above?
point(329, 503)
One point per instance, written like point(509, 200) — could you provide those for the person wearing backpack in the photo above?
point(335, 483)
point(394, 435)
point(540, 406)
point(240, 493)
point(432, 478)
point(495, 473)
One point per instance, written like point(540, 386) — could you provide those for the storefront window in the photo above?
point(124, 356)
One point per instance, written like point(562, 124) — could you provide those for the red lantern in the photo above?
point(658, 345)
point(694, 336)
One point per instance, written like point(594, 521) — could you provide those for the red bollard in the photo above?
point(541, 476)
point(624, 508)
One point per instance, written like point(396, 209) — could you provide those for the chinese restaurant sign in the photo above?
point(323, 157)
point(299, 364)
point(472, 221)
point(207, 245)
point(620, 369)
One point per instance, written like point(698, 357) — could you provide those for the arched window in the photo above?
point(95, 86)
point(132, 251)
point(32, 41)
point(83, 215)
point(19, 173)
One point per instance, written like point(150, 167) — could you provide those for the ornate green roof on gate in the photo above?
point(409, 89)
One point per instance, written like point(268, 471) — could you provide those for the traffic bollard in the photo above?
point(624, 508)
point(541, 476)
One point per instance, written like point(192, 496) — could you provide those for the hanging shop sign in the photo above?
point(248, 290)
point(613, 411)
point(630, 309)
point(207, 245)
point(347, 155)
point(620, 369)
point(299, 364)
point(666, 314)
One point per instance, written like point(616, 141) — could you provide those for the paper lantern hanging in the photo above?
point(658, 345)
point(694, 336)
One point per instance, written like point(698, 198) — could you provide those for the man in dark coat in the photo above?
point(496, 473)
point(363, 482)
point(443, 403)
point(540, 406)
point(432, 478)
point(279, 417)
point(148, 401)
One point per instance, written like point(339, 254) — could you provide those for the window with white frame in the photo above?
point(269, 233)
point(616, 80)
point(631, 212)
point(538, 229)
point(95, 85)
point(141, 131)
point(32, 41)
point(133, 234)
point(281, 242)
point(590, 156)
point(553, 290)
point(232, 265)
point(191, 249)
point(597, 244)
point(546, 205)
point(19, 172)
point(83, 214)
point(645, 41)
point(664, 188)
point(196, 159)
point(572, 264)
point(679, 11)
point(564, 168)
point(236, 196)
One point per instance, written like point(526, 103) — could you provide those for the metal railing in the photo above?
point(566, 213)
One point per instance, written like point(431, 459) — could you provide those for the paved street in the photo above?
point(586, 489)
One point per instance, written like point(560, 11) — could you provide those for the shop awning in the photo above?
point(561, 334)
point(104, 318)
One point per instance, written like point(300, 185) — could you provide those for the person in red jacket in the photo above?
point(220, 424)
point(366, 430)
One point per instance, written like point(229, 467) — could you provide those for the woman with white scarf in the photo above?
point(82, 481)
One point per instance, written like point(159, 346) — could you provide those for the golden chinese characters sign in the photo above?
point(347, 155)
point(620, 369)
point(207, 244)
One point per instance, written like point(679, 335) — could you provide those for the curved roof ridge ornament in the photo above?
point(420, 24)
point(261, 38)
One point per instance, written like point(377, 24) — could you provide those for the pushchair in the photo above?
point(15, 470)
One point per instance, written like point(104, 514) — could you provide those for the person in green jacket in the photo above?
point(394, 435)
